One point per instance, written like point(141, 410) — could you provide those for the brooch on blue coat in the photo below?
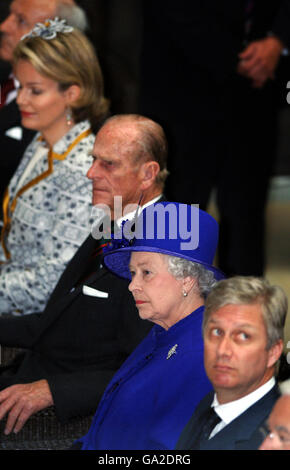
point(172, 351)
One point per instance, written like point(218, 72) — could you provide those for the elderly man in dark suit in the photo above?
point(22, 16)
point(90, 324)
point(243, 330)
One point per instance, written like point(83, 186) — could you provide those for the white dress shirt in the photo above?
point(99, 212)
point(230, 411)
point(130, 216)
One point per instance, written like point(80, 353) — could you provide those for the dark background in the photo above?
point(115, 28)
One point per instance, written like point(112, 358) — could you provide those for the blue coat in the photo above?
point(152, 396)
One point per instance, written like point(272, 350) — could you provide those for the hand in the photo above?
point(259, 60)
point(22, 401)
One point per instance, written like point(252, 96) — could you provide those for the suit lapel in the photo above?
point(239, 432)
point(192, 429)
point(75, 270)
point(67, 288)
point(54, 310)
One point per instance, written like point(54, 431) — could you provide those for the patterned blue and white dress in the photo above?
point(50, 221)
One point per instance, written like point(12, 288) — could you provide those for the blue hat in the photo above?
point(169, 228)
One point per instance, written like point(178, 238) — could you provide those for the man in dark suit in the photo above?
point(90, 324)
point(23, 15)
point(207, 76)
point(243, 329)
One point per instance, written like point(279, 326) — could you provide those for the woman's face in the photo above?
point(42, 105)
point(158, 295)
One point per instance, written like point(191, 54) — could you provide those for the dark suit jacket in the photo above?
point(78, 342)
point(204, 35)
point(202, 39)
point(241, 434)
point(217, 124)
point(272, 16)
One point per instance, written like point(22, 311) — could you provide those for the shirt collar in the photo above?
point(98, 213)
point(229, 411)
point(131, 215)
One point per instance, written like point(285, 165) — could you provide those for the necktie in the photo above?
point(6, 87)
point(211, 419)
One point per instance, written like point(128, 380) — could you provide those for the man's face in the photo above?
point(22, 18)
point(278, 426)
point(114, 171)
point(235, 355)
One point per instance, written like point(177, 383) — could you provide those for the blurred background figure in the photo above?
point(277, 428)
point(211, 75)
point(115, 28)
point(47, 205)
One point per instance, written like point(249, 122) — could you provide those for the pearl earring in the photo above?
point(69, 117)
point(184, 294)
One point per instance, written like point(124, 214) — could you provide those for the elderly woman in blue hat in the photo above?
point(169, 262)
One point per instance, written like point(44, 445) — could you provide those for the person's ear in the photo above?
point(188, 283)
point(274, 353)
point(72, 94)
point(149, 171)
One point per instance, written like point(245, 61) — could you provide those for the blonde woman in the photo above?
point(48, 202)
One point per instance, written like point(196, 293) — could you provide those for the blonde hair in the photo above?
point(69, 59)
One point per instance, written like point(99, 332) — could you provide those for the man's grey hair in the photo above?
point(247, 290)
point(73, 14)
point(151, 143)
point(285, 387)
point(181, 268)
